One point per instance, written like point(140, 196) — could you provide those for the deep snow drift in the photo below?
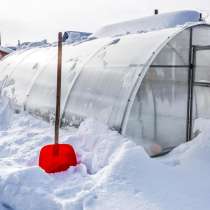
point(113, 172)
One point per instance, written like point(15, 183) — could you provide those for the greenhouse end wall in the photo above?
point(162, 113)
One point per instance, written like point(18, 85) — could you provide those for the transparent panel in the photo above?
point(142, 125)
point(42, 95)
point(133, 49)
point(99, 93)
point(107, 80)
point(201, 94)
point(27, 71)
point(201, 104)
point(160, 109)
point(38, 96)
point(6, 62)
point(202, 70)
point(10, 64)
point(201, 35)
point(176, 52)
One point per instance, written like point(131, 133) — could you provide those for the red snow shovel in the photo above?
point(57, 157)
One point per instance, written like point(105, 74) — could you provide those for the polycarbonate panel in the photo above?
point(101, 96)
point(176, 52)
point(201, 102)
point(106, 81)
point(27, 71)
point(6, 62)
point(160, 109)
point(10, 64)
point(201, 35)
point(132, 50)
point(43, 88)
point(42, 95)
point(202, 69)
point(201, 95)
point(141, 121)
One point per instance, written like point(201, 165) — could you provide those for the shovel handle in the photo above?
point(58, 89)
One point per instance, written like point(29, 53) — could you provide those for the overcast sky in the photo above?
point(34, 20)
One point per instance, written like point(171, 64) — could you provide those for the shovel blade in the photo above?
point(57, 157)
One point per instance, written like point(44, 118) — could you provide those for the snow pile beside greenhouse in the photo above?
point(113, 172)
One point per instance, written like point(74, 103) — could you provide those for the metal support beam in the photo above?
point(190, 89)
point(169, 66)
point(202, 84)
point(207, 47)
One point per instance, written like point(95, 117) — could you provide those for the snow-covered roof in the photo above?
point(75, 36)
point(5, 49)
point(151, 23)
point(29, 45)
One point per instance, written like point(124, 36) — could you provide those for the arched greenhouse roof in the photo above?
point(100, 77)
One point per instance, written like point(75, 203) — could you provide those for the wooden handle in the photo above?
point(58, 89)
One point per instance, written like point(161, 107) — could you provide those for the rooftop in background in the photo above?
point(75, 36)
point(150, 23)
point(5, 50)
point(25, 45)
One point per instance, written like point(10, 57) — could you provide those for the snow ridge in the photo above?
point(150, 23)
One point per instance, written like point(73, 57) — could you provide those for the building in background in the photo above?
point(25, 45)
point(75, 36)
point(4, 51)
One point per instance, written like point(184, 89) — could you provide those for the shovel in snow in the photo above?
point(57, 157)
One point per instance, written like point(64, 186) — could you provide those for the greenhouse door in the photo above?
point(199, 95)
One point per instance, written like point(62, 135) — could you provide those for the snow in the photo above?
point(113, 173)
point(150, 23)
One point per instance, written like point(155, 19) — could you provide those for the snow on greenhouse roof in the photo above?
point(151, 23)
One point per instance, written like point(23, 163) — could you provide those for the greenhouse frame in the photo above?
point(151, 87)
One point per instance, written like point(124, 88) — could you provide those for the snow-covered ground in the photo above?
point(113, 173)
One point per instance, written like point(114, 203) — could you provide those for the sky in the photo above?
point(35, 20)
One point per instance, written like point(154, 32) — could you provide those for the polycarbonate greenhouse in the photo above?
point(148, 86)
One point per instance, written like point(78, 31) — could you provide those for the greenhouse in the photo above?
point(148, 86)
